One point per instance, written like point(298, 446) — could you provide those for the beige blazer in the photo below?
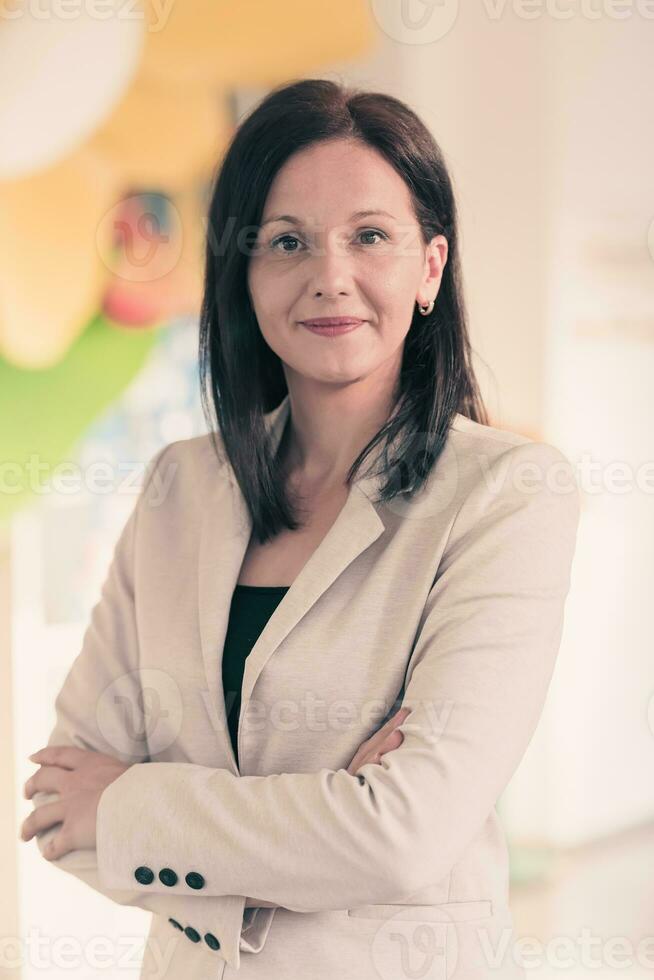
point(451, 603)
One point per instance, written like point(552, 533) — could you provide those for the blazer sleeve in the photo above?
point(89, 719)
point(476, 682)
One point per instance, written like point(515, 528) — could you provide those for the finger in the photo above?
point(66, 756)
point(390, 725)
point(47, 779)
point(57, 847)
point(392, 741)
point(41, 818)
point(396, 719)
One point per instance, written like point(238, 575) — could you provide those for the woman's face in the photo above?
point(328, 261)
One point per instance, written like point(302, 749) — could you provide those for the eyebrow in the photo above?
point(355, 216)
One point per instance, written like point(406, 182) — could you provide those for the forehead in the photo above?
point(337, 177)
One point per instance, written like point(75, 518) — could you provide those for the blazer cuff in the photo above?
point(221, 924)
point(256, 928)
point(221, 918)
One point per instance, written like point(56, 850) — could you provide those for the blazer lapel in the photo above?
point(225, 536)
point(355, 528)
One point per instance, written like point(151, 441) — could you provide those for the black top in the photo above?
point(251, 608)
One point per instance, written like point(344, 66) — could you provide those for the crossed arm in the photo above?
point(486, 650)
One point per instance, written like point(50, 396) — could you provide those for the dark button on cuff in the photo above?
point(211, 940)
point(167, 877)
point(194, 880)
point(144, 875)
point(176, 924)
point(192, 934)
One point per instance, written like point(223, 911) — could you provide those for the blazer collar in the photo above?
point(224, 539)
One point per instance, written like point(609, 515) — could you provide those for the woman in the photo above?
point(325, 834)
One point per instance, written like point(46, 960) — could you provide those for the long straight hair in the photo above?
point(241, 378)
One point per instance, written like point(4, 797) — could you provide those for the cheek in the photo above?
point(393, 297)
point(272, 292)
point(272, 317)
point(257, 286)
point(393, 278)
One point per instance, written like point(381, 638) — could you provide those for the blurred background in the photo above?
point(113, 117)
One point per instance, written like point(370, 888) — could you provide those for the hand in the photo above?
point(79, 776)
point(383, 740)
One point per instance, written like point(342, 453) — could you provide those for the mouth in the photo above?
point(331, 321)
point(332, 325)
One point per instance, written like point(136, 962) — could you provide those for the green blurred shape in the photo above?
point(45, 412)
point(529, 864)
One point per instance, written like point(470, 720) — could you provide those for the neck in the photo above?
point(329, 425)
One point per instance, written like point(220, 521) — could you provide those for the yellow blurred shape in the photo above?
point(163, 137)
point(51, 275)
point(252, 42)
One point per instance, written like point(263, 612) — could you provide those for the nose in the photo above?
point(330, 271)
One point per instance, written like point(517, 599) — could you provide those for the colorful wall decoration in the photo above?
point(117, 125)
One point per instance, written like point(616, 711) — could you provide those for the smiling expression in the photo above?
point(339, 237)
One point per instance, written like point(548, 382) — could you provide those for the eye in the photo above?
point(282, 238)
point(292, 238)
point(374, 231)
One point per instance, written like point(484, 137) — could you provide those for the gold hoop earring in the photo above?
point(426, 310)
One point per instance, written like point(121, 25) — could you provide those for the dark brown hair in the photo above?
point(241, 378)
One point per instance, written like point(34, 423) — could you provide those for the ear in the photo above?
point(435, 260)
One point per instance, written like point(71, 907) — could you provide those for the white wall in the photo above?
point(600, 402)
point(8, 824)
point(547, 126)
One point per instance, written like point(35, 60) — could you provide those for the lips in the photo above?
point(332, 321)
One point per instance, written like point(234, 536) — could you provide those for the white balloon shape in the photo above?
point(63, 68)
